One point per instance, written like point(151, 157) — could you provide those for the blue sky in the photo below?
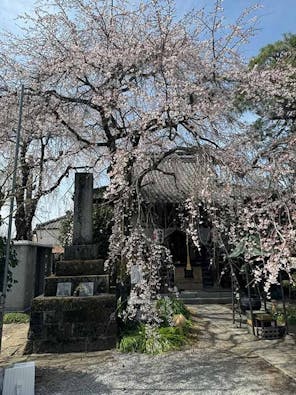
point(276, 17)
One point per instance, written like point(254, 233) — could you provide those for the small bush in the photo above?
point(175, 336)
point(179, 308)
point(16, 318)
point(168, 307)
point(133, 340)
point(153, 340)
point(291, 315)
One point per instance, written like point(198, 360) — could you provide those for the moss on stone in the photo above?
point(80, 267)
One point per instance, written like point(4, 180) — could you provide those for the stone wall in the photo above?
point(27, 272)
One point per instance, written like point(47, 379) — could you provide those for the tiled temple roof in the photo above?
point(176, 179)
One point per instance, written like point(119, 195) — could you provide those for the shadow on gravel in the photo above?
point(50, 381)
point(189, 372)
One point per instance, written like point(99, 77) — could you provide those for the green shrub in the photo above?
point(132, 343)
point(153, 340)
point(291, 315)
point(175, 336)
point(179, 308)
point(16, 318)
point(12, 263)
point(168, 307)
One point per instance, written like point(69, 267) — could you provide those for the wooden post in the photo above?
point(284, 303)
point(249, 297)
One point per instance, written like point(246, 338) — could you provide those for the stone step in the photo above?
point(80, 267)
point(72, 324)
point(86, 251)
point(101, 283)
point(222, 300)
point(205, 294)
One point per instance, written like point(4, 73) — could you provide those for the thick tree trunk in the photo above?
point(25, 203)
point(23, 219)
point(23, 231)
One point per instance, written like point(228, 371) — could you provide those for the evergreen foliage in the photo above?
point(281, 50)
point(12, 263)
point(152, 339)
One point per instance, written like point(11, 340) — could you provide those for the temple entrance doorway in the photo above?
point(188, 262)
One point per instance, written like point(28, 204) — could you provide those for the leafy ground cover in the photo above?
point(16, 318)
point(171, 334)
point(291, 315)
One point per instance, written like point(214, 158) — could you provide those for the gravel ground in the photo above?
point(196, 371)
point(221, 360)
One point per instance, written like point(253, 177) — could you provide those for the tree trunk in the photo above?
point(23, 230)
point(25, 203)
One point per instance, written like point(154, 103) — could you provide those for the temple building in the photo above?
point(164, 192)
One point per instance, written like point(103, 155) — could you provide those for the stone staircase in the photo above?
point(207, 296)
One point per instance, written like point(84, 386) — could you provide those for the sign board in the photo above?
point(86, 289)
point(136, 274)
point(19, 379)
point(158, 235)
point(64, 289)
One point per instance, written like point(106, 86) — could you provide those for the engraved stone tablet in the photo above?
point(64, 289)
point(136, 274)
point(86, 289)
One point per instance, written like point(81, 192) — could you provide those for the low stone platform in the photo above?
point(79, 267)
point(72, 324)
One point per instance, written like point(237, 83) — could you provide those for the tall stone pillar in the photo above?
point(83, 247)
point(83, 208)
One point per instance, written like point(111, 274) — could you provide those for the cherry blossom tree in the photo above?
point(253, 209)
point(269, 90)
point(45, 156)
point(134, 83)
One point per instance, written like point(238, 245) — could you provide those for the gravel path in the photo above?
point(222, 361)
point(189, 372)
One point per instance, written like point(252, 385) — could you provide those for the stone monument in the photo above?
point(85, 319)
point(83, 247)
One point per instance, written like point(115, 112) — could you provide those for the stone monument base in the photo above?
point(72, 324)
point(79, 267)
point(82, 251)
